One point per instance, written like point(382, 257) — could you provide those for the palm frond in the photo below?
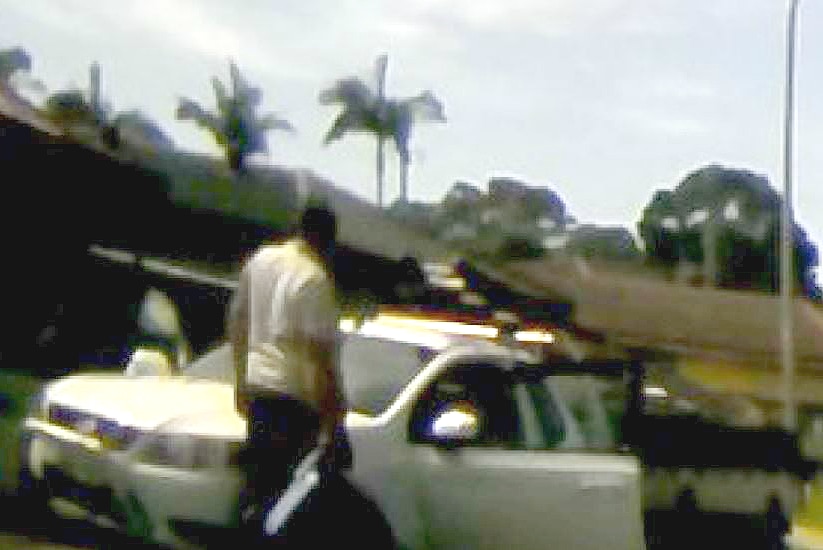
point(237, 82)
point(235, 125)
point(426, 107)
point(351, 92)
point(220, 93)
point(190, 110)
point(273, 122)
point(380, 66)
point(346, 122)
point(12, 61)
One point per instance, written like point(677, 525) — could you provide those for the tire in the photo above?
point(777, 524)
point(343, 511)
point(33, 495)
point(362, 521)
point(688, 532)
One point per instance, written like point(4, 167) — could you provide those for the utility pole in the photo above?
point(382, 63)
point(786, 226)
point(94, 90)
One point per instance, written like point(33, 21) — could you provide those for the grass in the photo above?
point(16, 388)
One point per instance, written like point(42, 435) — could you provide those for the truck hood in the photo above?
point(143, 403)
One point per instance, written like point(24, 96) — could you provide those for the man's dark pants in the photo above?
point(281, 430)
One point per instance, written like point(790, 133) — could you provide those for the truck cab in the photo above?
point(480, 445)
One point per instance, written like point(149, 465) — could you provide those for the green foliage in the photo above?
point(519, 248)
point(12, 62)
point(745, 212)
point(364, 110)
point(603, 243)
point(69, 107)
point(235, 124)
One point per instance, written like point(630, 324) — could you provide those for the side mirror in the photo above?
point(455, 425)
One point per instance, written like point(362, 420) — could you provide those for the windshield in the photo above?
point(374, 371)
point(215, 364)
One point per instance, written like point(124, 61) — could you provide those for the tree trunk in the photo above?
point(381, 160)
point(235, 160)
point(710, 260)
point(382, 64)
point(236, 164)
point(404, 182)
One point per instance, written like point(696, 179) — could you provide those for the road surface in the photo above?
point(21, 530)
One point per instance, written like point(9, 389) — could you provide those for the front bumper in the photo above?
point(95, 499)
point(71, 465)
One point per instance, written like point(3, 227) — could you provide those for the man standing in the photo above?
point(283, 330)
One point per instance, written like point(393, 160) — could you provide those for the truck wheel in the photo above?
point(686, 502)
point(343, 510)
point(687, 519)
point(33, 494)
point(777, 525)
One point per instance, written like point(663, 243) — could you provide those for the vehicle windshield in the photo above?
point(374, 371)
point(215, 364)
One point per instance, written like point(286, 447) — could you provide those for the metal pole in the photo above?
point(382, 63)
point(786, 249)
point(94, 90)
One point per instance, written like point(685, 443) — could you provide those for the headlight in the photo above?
point(114, 436)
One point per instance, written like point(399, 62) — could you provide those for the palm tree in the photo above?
point(235, 124)
point(14, 63)
point(84, 113)
point(367, 110)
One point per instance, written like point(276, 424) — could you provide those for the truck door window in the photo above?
point(487, 389)
point(598, 405)
point(548, 414)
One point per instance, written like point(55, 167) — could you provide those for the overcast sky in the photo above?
point(604, 101)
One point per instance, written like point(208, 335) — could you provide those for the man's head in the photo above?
point(318, 226)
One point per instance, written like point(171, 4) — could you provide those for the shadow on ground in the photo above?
point(43, 527)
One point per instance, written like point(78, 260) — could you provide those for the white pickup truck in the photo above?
point(460, 443)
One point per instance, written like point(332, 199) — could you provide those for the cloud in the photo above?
point(680, 87)
point(61, 16)
point(544, 17)
point(187, 24)
point(667, 88)
point(569, 17)
point(663, 123)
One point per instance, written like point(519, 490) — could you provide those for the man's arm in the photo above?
point(320, 316)
point(238, 331)
point(331, 405)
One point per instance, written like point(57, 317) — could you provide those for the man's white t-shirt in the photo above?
point(289, 298)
